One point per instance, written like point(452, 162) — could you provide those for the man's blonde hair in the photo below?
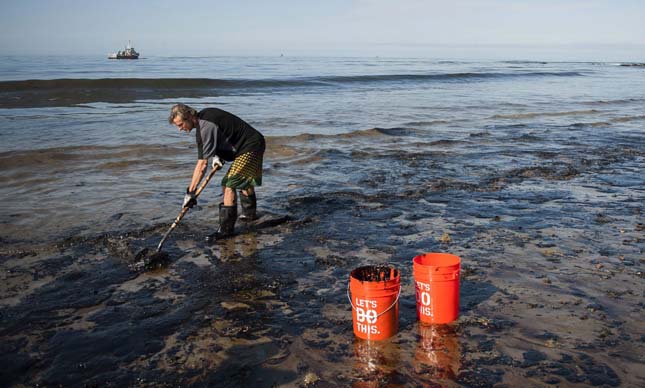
point(183, 111)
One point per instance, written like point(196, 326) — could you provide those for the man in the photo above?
point(223, 136)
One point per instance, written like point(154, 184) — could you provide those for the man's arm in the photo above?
point(198, 174)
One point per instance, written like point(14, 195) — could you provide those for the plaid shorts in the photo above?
point(245, 171)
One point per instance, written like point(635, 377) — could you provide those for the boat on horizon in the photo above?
point(128, 53)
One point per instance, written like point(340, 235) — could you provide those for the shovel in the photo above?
point(144, 259)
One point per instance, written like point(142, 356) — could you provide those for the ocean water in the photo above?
point(531, 171)
point(94, 131)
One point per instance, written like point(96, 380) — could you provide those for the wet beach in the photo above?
point(540, 192)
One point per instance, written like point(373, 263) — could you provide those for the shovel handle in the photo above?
point(207, 179)
point(184, 210)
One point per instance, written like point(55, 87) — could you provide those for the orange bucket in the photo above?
point(436, 282)
point(374, 292)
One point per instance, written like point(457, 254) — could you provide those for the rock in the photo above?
point(445, 238)
point(533, 357)
point(235, 305)
point(310, 379)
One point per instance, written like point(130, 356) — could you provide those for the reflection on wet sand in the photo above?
point(249, 245)
point(438, 353)
point(375, 362)
point(234, 249)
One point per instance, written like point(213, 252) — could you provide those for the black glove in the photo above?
point(189, 199)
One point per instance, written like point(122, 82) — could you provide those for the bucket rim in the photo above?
point(437, 260)
point(378, 283)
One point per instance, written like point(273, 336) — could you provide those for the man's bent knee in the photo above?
point(229, 196)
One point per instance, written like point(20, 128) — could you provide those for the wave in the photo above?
point(521, 62)
point(627, 119)
point(623, 119)
point(529, 115)
point(447, 142)
point(138, 83)
point(426, 123)
point(68, 91)
point(209, 83)
point(622, 101)
point(444, 76)
point(361, 133)
point(73, 156)
point(595, 124)
point(113, 156)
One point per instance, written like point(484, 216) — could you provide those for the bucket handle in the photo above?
point(384, 311)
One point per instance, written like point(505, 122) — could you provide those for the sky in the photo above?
point(613, 29)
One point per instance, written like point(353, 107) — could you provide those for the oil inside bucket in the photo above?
point(373, 273)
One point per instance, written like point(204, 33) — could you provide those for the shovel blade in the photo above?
point(148, 259)
point(141, 254)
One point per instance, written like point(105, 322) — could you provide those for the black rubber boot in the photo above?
point(227, 218)
point(249, 205)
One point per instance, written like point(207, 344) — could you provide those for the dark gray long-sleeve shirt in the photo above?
point(225, 135)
